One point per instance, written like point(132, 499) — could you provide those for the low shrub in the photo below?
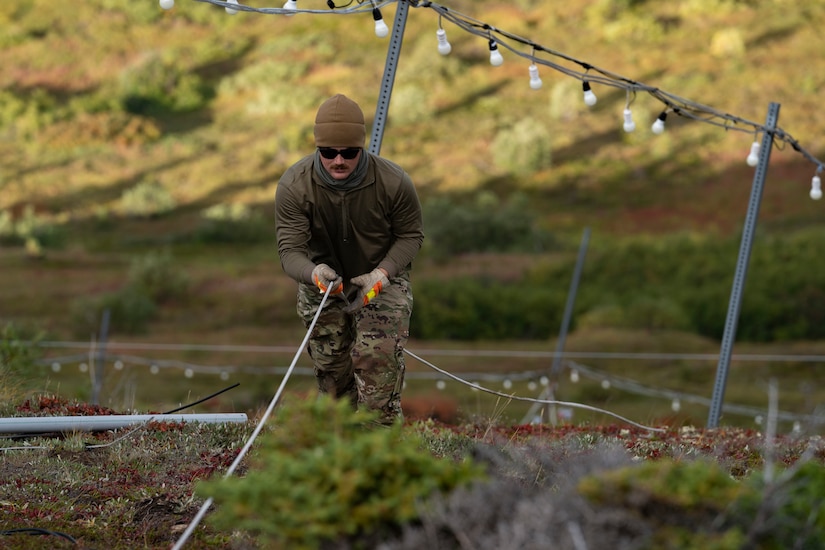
point(158, 277)
point(327, 472)
point(147, 199)
point(233, 223)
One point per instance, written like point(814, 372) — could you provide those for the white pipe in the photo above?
point(100, 423)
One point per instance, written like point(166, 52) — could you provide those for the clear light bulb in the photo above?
point(535, 81)
point(753, 156)
point(629, 125)
point(816, 188)
point(495, 56)
point(381, 29)
point(590, 98)
point(231, 11)
point(659, 124)
point(290, 5)
point(167, 4)
point(444, 46)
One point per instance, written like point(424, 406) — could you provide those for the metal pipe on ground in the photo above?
point(64, 424)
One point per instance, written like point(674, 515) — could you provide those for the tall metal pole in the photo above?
point(565, 324)
point(393, 52)
point(549, 393)
point(742, 266)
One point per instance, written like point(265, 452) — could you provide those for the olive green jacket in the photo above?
point(376, 224)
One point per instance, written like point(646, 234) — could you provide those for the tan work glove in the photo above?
point(370, 285)
point(324, 277)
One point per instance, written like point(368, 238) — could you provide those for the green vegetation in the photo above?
point(321, 476)
point(326, 472)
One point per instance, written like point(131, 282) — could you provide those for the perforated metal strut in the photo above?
point(393, 52)
point(742, 267)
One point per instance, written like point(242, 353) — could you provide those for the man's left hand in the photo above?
point(369, 286)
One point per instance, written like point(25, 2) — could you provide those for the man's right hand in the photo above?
point(325, 277)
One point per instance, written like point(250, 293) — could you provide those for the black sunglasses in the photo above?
point(330, 153)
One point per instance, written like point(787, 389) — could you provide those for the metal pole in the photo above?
point(565, 324)
point(550, 392)
point(394, 50)
point(742, 266)
point(100, 358)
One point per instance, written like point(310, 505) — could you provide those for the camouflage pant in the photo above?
point(361, 356)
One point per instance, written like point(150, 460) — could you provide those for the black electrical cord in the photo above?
point(38, 531)
point(207, 398)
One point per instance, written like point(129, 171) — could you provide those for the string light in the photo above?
point(535, 81)
point(381, 29)
point(290, 5)
point(496, 58)
point(590, 98)
point(167, 4)
point(658, 126)
point(628, 125)
point(753, 156)
point(444, 47)
point(231, 11)
point(816, 186)
point(675, 405)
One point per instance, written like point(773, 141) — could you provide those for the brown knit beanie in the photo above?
point(340, 123)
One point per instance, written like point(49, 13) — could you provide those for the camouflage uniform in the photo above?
point(360, 356)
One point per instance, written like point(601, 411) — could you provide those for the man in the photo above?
point(351, 220)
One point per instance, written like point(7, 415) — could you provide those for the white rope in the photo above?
point(530, 399)
point(202, 512)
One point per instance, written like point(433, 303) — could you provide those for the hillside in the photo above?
point(200, 109)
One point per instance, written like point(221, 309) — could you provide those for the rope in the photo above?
point(532, 400)
point(202, 512)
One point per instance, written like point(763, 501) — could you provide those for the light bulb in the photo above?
point(495, 56)
point(232, 11)
point(816, 188)
point(753, 156)
point(290, 5)
point(590, 98)
point(167, 4)
point(629, 125)
point(381, 29)
point(443, 45)
point(659, 124)
point(535, 81)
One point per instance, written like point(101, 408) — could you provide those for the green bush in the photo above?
point(233, 223)
point(31, 229)
point(523, 148)
point(158, 277)
point(697, 504)
point(473, 309)
point(483, 224)
point(325, 472)
point(678, 283)
point(791, 510)
point(159, 84)
point(147, 199)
